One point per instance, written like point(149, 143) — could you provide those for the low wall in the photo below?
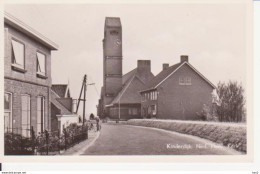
point(232, 135)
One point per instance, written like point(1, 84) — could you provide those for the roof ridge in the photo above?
point(11, 20)
point(130, 71)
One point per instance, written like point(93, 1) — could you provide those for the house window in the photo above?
point(40, 114)
point(129, 111)
point(41, 66)
point(153, 109)
point(155, 95)
point(188, 81)
point(26, 115)
point(8, 112)
point(185, 81)
point(18, 54)
point(134, 111)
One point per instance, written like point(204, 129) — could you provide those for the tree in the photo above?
point(91, 117)
point(207, 113)
point(232, 102)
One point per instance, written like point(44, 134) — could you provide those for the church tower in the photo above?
point(112, 59)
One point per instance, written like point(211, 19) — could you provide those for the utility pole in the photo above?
point(84, 100)
point(83, 87)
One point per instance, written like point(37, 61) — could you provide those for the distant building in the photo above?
point(62, 107)
point(27, 78)
point(120, 97)
point(177, 92)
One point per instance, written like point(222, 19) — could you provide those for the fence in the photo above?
point(45, 143)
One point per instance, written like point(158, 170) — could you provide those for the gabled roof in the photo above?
point(19, 25)
point(162, 75)
point(129, 93)
point(112, 22)
point(63, 110)
point(60, 89)
point(165, 74)
point(132, 84)
point(128, 76)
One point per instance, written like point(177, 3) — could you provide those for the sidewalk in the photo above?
point(80, 148)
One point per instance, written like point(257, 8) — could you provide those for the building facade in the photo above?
point(63, 108)
point(27, 78)
point(177, 92)
point(120, 97)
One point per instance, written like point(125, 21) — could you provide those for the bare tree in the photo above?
point(232, 101)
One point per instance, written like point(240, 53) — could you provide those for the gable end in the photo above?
point(196, 71)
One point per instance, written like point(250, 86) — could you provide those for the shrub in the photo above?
point(17, 145)
point(207, 114)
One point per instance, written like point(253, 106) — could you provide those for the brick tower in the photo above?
point(112, 60)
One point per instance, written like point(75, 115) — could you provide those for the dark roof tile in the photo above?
point(60, 89)
point(159, 77)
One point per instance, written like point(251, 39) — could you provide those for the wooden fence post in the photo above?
point(47, 141)
point(33, 140)
point(59, 140)
point(65, 137)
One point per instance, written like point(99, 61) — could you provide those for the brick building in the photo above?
point(177, 92)
point(119, 95)
point(27, 78)
point(63, 107)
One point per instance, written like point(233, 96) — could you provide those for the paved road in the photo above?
point(134, 140)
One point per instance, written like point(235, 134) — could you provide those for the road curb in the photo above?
point(84, 148)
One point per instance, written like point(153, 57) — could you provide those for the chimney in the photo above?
point(184, 58)
point(144, 65)
point(165, 66)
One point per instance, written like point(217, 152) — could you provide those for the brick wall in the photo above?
point(18, 88)
point(31, 47)
point(176, 101)
point(183, 101)
point(18, 83)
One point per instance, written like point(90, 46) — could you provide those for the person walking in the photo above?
point(97, 120)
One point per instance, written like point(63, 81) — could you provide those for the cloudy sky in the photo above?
point(213, 35)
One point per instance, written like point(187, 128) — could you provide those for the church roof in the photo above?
point(132, 84)
point(113, 22)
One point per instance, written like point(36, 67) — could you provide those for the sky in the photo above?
point(212, 35)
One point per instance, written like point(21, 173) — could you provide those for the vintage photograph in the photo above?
point(126, 79)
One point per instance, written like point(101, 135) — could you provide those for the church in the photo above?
point(120, 97)
point(178, 92)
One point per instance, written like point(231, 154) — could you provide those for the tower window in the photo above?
point(114, 32)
